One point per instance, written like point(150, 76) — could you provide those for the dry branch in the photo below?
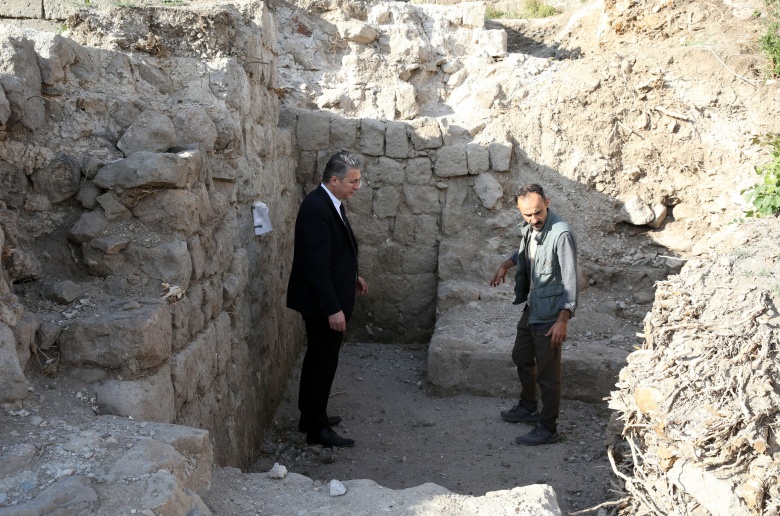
point(672, 114)
point(622, 501)
point(713, 364)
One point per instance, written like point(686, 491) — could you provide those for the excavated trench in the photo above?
point(135, 143)
point(473, 230)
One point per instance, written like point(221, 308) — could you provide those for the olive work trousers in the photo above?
point(538, 363)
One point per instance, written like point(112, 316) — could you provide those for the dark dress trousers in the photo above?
point(322, 283)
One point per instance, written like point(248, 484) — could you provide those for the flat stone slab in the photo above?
point(297, 494)
point(471, 348)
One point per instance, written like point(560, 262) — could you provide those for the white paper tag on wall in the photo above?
point(261, 219)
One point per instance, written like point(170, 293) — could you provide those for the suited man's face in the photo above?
point(344, 189)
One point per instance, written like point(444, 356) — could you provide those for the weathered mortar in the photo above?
point(131, 156)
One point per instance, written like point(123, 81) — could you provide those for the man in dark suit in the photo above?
point(322, 287)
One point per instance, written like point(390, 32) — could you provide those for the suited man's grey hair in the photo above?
point(339, 164)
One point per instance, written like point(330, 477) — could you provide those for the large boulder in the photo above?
point(20, 78)
point(69, 495)
point(194, 125)
point(149, 398)
point(14, 184)
point(5, 108)
point(451, 161)
point(356, 31)
point(24, 333)
point(171, 209)
point(488, 190)
point(149, 170)
point(13, 385)
point(152, 132)
point(89, 226)
point(426, 134)
point(117, 338)
point(59, 180)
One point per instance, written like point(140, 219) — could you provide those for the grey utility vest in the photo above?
point(544, 298)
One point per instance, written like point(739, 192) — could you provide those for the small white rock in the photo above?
point(64, 472)
point(278, 471)
point(337, 488)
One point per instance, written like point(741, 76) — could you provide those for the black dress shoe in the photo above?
point(328, 438)
point(332, 421)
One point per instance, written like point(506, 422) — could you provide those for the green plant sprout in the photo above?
point(765, 196)
point(769, 43)
point(537, 9)
point(531, 9)
point(491, 13)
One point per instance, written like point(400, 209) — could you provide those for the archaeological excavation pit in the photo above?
point(146, 349)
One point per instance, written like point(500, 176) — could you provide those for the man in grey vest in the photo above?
point(546, 281)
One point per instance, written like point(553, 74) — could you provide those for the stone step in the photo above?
point(470, 351)
point(242, 493)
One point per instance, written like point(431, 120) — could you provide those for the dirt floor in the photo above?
point(405, 438)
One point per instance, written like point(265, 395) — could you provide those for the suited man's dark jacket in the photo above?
point(325, 261)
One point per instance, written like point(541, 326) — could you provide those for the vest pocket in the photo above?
point(544, 301)
point(544, 267)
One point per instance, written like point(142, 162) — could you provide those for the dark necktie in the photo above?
point(346, 223)
point(343, 214)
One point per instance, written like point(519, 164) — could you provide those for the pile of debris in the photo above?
point(699, 403)
point(665, 19)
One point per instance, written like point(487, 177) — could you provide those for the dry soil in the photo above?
point(405, 437)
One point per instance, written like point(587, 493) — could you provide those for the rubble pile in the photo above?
point(700, 402)
point(660, 20)
point(102, 465)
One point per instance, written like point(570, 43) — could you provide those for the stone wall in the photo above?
point(396, 61)
point(511, 6)
point(132, 148)
point(426, 187)
point(57, 10)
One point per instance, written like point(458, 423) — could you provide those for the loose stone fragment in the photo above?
point(113, 209)
point(336, 488)
point(636, 212)
point(88, 227)
point(64, 292)
point(278, 471)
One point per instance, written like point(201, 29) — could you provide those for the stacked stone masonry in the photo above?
point(128, 173)
point(512, 6)
point(422, 182)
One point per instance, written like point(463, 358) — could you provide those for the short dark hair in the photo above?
point(338, 165)
point(528, 189)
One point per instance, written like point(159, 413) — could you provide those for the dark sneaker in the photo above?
point(539, 435)
point(519, 413)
